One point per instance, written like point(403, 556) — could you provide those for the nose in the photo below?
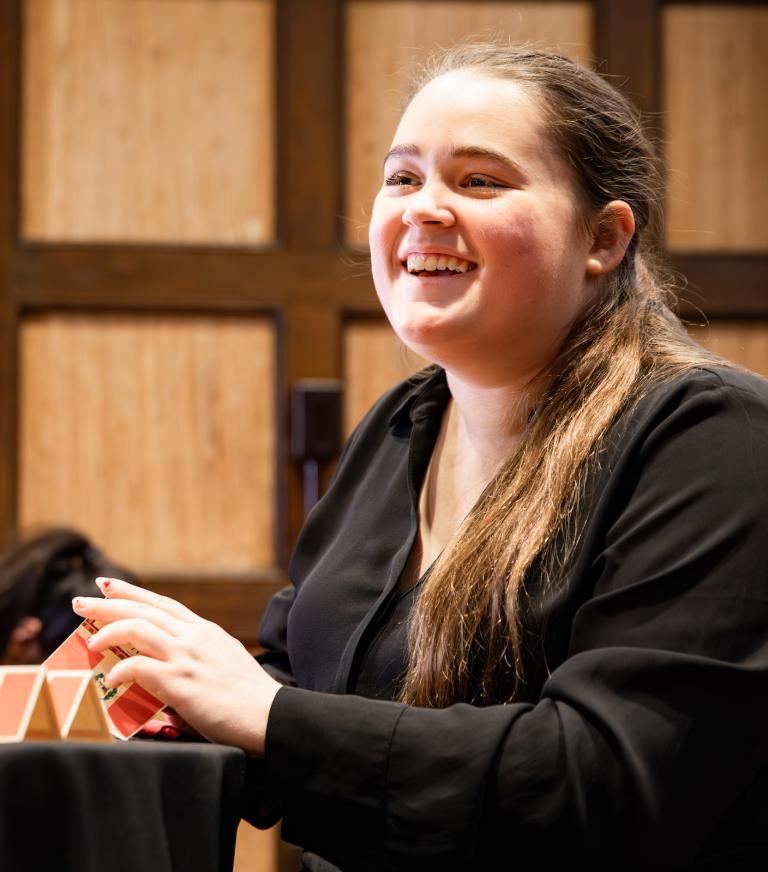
point(429, 205)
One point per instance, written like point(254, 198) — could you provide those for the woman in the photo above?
point(530, 620)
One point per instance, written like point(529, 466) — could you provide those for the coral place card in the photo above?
point(66, 697)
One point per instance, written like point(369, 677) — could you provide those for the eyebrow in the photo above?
point(410, 150)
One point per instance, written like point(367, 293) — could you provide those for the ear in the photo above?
point(614, 228)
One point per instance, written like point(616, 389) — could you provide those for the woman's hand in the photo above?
point(189, 663)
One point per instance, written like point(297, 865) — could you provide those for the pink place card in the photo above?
point(127, 707)
point(79, 713)
point(26, 708)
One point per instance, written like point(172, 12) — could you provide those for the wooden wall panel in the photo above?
point(715, 84)
point(149, 120)
point(262, 851)
point(153, 434)
point(385, 41)
point(743, 342)
point(374, 361)
point(256, 850)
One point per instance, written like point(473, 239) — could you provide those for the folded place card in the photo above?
point(79, 712)
point(66, 697)
point(26, 707)
point(126, 707)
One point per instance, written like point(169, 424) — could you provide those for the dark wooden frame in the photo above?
point(304, 280)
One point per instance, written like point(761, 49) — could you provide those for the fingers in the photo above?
point(115, 588)
point(106, 611)
point(147, 638)
point(145, 671)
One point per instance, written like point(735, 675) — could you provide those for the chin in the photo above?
point(427, 340)
point(421, 328)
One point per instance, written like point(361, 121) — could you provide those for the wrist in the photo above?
point(256, 738)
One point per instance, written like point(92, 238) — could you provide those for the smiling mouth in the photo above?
point(437, 265)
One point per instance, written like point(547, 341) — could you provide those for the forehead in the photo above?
point(464, 106)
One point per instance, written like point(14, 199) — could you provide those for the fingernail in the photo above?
point(103, 583)
point(76, 602)
point(88, 641)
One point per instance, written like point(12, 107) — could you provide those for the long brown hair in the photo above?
point(467, 632)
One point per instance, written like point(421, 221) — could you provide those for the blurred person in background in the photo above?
point(39, 576)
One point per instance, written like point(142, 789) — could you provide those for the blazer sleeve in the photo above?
point(643, 737)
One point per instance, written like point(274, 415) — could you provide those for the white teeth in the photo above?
point(430, 262)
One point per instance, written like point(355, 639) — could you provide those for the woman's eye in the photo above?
point(482, 182)
point(400, 179)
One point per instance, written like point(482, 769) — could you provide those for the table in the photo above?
point(141, 806)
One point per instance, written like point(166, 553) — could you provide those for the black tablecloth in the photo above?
point(140, 806)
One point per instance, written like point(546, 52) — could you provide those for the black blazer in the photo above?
point(644, 742)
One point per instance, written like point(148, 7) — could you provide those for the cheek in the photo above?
point(527, 245)
point(386, 223)
point(512, 264)
point(383, 234)
point(507, 237)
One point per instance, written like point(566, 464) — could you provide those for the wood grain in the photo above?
point(10, 16)
point(386, 41)
point(626, 41)
point(262, 851)
point(743, 342)
point(150, 120)
point(155, 435)
point(374, 361)
point(309, 125)
point(256, 850)
point(715, 86)
point(311, 335)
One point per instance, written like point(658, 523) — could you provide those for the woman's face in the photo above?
point(477, 252)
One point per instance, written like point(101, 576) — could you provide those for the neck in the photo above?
point(491, 421)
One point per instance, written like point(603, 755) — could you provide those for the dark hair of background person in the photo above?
point(39, 576)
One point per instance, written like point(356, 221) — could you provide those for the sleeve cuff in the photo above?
point(326, 758)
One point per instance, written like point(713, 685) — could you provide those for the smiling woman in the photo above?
point(472, 175)
point(528, 621)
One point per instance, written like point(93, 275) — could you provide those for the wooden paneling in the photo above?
point(9, 113)
point(385, 41)
point(256, 850)
point(627, 44)
point(374, 361)
point(724, 284)
point(155, 435)
point(309, 104)
point(149, 120)
point(313, 346)
point(715, 86)
point(743, 342)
